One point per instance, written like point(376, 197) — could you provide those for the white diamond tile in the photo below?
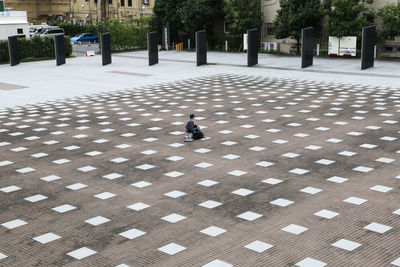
point(249, 216)
point(14, 224)
point(378, 228)
point(76, 186)
point(264, 164)
point(294, 229)
point(145, 167)
point(113, 176)
point(171, 249)
point(104, 195)
point(173, 218)
point(346, 244)
point(272, 181)
point(299, 171)
point(138, 206)
point(81, 253)
point(132, 233)
point(64, 208)
point(258, 246)
point(175, 194)
point(327, 214)
point(174, 174)
point(207, 183)
point(237, 173)
point(217, 263)
point(95, 221)
point(213, 231)
point(210, 204)
point(10, 189)
point(243, 192)
point(203, 165)
point(281, 202)
point(310, 262)
point(35, 198)
point(381, 188)
point(355, 200)
point(46, 238)
point(311, 190)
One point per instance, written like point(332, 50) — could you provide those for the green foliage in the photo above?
point(34, 48)
point(243, 15)
point(125, 34)
point(295, 15)
point(168, 11)
point(348, 17)
point(4, 52)
point(188, 16)
point(390, 15)
point(234, 43)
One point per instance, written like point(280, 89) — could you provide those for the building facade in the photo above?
point(270, 8)
point(40, 11)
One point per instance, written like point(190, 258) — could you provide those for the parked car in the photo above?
point(51, 32)
point(85, 38)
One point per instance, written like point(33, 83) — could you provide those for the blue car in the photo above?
point(85, 38)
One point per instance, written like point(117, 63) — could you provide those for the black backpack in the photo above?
point(197, 133)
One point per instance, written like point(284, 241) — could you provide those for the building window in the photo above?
point(20, 31)
point(389, 49)
point(95, 1)
point(110, 2)
point(129, 2)
point(122, 2)
point(227, 26)
point(145, 2)
point(270, 29)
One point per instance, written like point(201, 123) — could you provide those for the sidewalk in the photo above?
point(85, 75)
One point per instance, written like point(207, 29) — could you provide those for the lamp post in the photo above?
point(83, 13)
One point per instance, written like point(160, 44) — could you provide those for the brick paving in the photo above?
point(292, 172)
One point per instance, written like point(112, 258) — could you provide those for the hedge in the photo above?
point(128, 34)
point(34, 48)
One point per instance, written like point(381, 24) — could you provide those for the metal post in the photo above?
point(226, 45)
point(317, 49)
point(188, 43)
point(83, 12)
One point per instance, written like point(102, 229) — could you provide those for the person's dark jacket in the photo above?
point(189, 126)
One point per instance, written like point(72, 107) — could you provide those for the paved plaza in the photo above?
point(294, 171)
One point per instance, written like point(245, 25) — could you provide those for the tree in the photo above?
point(187, 16)
point(295, 15)
point(243, 15)
point(201, 14)
point(390, 15)
point(348, 17)
point(168, 11)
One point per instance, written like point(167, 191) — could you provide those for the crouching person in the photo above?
point(189, 129)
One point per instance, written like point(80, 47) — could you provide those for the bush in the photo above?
point(125, 34)
point(34, 48)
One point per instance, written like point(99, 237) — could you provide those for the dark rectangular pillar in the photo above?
point(201, 47)
point(368, 47)
point(106, 48)
point(13, 50)
point(60, 49)
point(307, 47)
point(152, 46)
point(252, 47)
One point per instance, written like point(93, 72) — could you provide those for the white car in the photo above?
point(52, 32)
